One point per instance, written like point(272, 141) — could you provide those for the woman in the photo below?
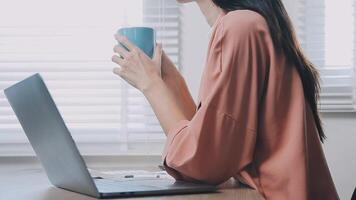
point(256, 118)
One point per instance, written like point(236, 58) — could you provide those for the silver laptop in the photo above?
point(56, 149)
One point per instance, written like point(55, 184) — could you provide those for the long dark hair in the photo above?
point(284, 39)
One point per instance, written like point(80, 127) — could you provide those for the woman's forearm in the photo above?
point(164, 104)
point(177, 85)
point(170, 97)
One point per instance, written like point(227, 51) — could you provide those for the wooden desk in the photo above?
point(32, 184)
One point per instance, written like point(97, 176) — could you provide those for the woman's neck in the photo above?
point(210, 10)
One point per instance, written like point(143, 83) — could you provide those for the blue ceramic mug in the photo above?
point(143, 37)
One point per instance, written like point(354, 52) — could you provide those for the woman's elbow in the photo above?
point(198, 172)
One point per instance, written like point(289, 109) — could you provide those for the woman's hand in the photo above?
point(144, 73)
point(135, 66)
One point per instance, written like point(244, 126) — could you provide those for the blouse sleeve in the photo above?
point(219, 140)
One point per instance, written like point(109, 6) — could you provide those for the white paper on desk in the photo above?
point(137, 174)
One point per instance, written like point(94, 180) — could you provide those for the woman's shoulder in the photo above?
point(242, 22)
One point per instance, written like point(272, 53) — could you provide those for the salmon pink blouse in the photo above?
point(252, 120)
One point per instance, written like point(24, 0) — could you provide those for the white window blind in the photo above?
point(326, 29)
point(70, 43)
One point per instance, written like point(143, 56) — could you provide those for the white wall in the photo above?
point(340, 148)
point(340, 128)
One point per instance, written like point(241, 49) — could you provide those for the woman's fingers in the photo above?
point(119, 71)
point(121, 51)
point(116, 59)
point(158, 54)
point(122, 72)
point(124, 41)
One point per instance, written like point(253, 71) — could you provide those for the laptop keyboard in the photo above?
point(128, 175)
